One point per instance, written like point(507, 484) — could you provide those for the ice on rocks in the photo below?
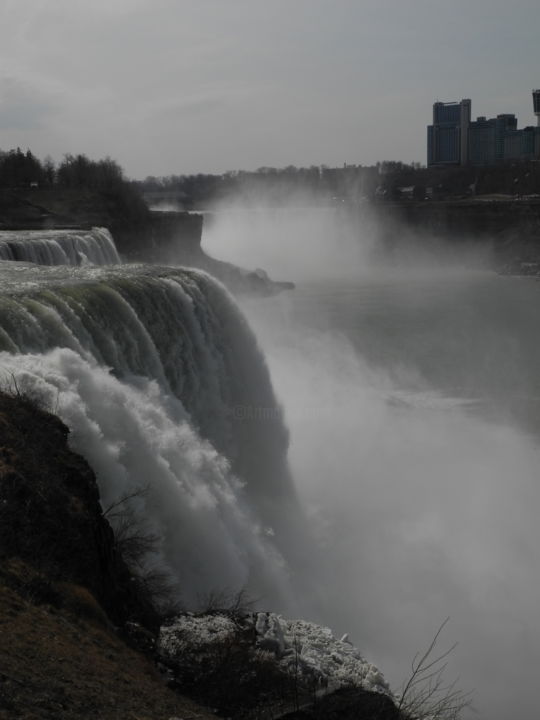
point(270, 634)
point(191, 633)
point(300, 648)
point(313, 651)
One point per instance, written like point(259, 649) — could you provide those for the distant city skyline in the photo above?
point(455, 138)
point(186, 86)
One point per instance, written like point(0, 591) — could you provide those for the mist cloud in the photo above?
point(423, 502)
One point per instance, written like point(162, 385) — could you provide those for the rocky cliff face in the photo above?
point(477, 217)
point(50, 516)
point(510, 227)
point(68, 643)
point(164, 237)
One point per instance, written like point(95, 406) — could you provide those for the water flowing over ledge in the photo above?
point(149, 367)
point(59, 247)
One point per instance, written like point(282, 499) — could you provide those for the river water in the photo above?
point(412, 398)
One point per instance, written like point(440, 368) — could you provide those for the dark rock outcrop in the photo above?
point(348, 704)
point(162, 238)
point(50, 516)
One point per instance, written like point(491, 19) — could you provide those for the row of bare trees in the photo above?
point(20, 169)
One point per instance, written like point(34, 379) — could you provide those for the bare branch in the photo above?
point(425, 693)
point(138, 492)
point(237, 602)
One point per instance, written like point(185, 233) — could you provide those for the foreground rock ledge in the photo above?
point(255, 665)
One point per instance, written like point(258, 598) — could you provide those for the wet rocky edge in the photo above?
point(241, 281)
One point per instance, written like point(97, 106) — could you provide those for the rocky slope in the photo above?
point(67, 600)
point(60, 658)
point(50, 516)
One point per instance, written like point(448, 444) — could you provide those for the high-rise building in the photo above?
point(454, 140)
point(448, 136)
point(482, 142)
point(536, 105)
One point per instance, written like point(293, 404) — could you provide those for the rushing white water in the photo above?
point(162, 383)
point(59, 247)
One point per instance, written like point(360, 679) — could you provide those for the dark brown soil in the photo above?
point(68, 663)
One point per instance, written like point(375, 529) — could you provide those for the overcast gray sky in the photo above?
point(182, 86)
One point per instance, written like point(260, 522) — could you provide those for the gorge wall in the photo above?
point(510, 226)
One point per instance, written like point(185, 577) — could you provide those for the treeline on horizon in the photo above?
point(23, 170)
point(20, 169)
point(274, 185)
point(351, 183)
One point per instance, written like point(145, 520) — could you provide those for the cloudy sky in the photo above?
point(182, 86)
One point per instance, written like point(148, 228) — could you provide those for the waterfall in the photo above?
point(59, 247)
point(163, 386)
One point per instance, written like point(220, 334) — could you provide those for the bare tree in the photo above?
point(427, 693)
point(231, 602)
point(136, 543)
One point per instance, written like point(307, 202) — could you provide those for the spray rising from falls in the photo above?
point(162, 383)
point(60, 247)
